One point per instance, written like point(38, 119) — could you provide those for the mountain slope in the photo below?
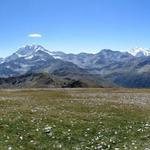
point(42, 80)
point(130, 80)
point(1, 60)
point(87, 61)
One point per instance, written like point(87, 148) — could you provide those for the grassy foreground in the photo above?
point(75, 119)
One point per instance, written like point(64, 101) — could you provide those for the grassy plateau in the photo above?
point(75, 119)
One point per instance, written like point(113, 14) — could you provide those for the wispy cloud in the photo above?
point(34, 35)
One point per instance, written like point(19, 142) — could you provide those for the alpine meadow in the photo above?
point(74, 75)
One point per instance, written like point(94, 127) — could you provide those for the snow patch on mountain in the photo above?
point(139, 52)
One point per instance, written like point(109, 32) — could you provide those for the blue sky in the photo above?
point(74, 25)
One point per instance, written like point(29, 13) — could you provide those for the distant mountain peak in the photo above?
point(140, 52)
point(28, 52)
point(29, 49)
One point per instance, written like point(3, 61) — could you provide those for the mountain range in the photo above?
point(106, 68)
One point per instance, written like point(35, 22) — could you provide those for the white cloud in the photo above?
point(35, 35)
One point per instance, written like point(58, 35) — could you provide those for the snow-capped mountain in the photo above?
point(83, 60)
point(35, 58)
point(120, 68)
point(140, 52)
point(30, 52)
